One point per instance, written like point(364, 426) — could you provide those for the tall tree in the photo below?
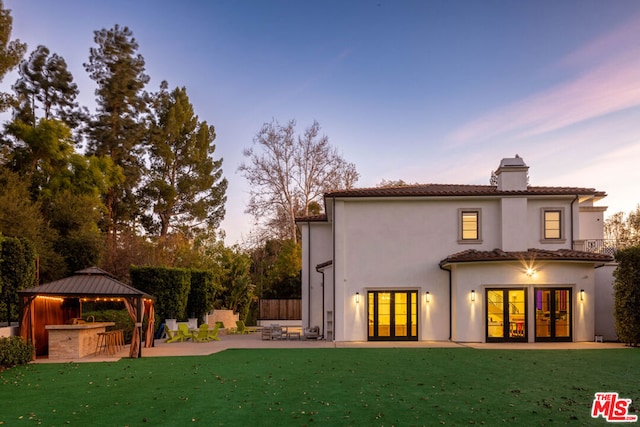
point(288, 172)
point(17, 272)
point(118, 128)
point(21, 217)
point(625, 230)
point(11, 51)
point(40, 151)
point(185, 184)
point(46, 84)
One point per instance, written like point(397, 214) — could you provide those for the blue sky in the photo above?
point(424, 91)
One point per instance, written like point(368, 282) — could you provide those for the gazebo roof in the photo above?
point(90, 282)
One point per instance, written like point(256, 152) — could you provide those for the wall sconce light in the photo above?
point(581, 294)
point(530, 272)
point(357, 297)
point(428, 296)
point(473, 295)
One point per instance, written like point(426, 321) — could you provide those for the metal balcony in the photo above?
point(602, 246)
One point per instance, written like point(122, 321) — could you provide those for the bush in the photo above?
point(627, 295)
point(202, 294)
point(14, 351)
point(170, 286)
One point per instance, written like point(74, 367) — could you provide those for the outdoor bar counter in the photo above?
point(74, 341)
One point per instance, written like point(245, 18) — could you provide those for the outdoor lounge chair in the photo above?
point(244, 329)
point(183, 332)
point(311, 333)
point(277, 333)
point(203, 333)
point(172, 336)
point(212, 334)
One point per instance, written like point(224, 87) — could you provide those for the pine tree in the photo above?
point(185, 185)
point(45, 84)
point(11, 51)
point(118, 128)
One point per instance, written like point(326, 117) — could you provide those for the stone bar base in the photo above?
point(74, 341)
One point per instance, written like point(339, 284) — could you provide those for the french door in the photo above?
point(506, 314)
point(553, 314)
point(392, 315)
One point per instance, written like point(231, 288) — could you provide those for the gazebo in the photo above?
point(60, 302)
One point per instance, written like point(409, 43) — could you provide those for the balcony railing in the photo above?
point(603, 246)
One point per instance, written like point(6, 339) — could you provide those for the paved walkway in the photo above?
point(254, 340)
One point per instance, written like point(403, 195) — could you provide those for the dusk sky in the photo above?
point(424, 91)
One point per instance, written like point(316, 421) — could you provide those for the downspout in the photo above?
point(450, 302)
point(572, 239)
point(333, 308)
point(309, 274)
point(321, 271)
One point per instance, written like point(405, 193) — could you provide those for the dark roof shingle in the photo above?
point(473, 255)
point(426, 190)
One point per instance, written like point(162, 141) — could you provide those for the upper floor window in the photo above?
point(470, 230)
point(552, 224)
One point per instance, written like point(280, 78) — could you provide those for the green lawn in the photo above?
point(367, 387)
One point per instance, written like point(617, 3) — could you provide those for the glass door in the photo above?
point(553, 314)
point(392, 315)
point(506, 314)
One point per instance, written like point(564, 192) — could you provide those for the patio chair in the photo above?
point(266, 333)
point(277, 333)
point(311, 333)
point(203, 333)
point(172, 336)
point(212, 334)
point(241, 327)
point(183, 332)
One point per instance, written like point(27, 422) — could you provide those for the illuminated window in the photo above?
point(552, 222)
point(469, 226)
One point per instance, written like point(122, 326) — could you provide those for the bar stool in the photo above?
point(119, 339)
point(101, 342)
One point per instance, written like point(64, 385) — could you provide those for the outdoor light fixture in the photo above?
point(530, 272)
point(473, 295)
point(428, 296)
point(581, 294)
point(357, 297)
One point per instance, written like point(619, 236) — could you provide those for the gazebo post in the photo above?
point(139, 323)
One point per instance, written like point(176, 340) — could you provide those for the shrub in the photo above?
point(170, 286)
point(627, 295)
point(14, 351)
point(202, 294)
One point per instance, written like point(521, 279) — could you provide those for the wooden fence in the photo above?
point(280, 309)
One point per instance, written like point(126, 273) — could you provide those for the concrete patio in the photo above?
point(254, 340)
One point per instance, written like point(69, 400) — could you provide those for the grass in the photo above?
point(301, 387)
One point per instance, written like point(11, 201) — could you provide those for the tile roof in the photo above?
point(473, 255)
point(312, 218)
point(91, 282)
point(433, 190)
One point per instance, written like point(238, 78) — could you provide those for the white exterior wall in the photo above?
point(514, 222)
point(605, 320)
point(592, 223)
point(318, 235)
point(398, 244)
point(470, 317)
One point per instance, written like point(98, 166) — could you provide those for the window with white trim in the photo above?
point(552, 224)
point(469, 226)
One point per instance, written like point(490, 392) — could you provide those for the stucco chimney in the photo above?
point(512, 175)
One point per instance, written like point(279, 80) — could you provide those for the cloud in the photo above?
point(608, 87)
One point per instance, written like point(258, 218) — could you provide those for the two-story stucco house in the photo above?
point(469, 263)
